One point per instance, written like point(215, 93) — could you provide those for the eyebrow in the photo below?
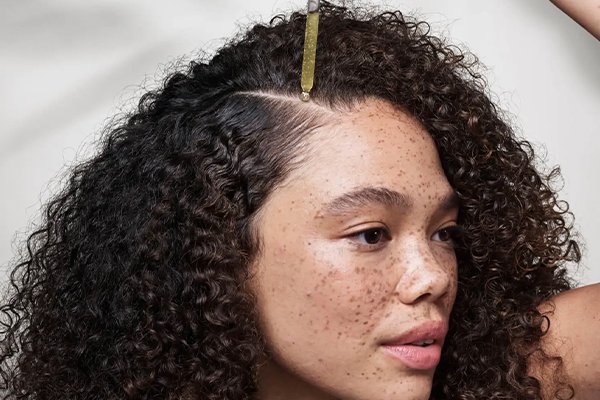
point(364, 196)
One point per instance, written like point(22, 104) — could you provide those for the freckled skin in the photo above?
point(326, 299)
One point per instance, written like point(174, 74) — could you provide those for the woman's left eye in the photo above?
point(448, 234)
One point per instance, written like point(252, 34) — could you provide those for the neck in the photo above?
point(276, 382)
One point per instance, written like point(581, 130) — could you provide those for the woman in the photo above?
point(230, 241)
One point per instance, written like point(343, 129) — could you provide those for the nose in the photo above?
point(426, 275)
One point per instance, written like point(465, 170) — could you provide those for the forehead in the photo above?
point(375, 145)
point(374, 141)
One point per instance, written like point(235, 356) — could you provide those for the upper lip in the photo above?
point(435, 330)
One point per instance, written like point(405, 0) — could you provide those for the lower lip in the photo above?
point(416, 357)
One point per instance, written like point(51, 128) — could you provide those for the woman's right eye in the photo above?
point(370, 237)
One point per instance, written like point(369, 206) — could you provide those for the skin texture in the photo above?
point(574, 323)
point(326, 297)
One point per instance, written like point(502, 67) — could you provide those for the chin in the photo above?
point(406, 387)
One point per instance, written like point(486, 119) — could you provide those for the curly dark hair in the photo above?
point(133, 287)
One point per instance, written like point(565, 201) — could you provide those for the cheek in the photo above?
point(314, 290)
point(350, 296)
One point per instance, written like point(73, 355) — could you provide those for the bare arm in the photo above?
point(574, 334)
point(585, 12)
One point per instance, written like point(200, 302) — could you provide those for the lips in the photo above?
point(419, 347)
point(435, 330)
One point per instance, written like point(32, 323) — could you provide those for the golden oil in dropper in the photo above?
point(310, 49)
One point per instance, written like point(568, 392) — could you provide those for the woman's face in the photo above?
point(357, 262)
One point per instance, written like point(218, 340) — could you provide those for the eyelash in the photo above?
point(455, 232)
